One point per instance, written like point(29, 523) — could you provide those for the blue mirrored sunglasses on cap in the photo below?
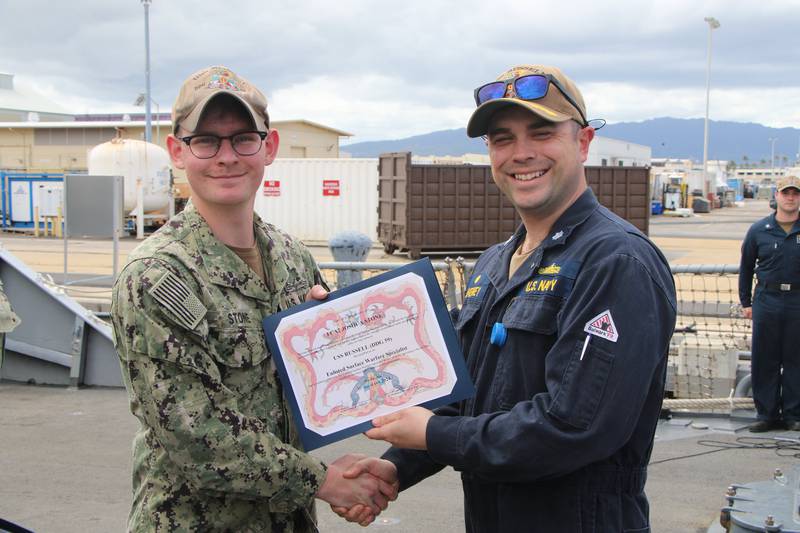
point(527, 87)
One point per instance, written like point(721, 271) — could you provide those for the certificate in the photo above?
point(370, 349)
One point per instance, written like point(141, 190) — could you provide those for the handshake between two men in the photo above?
point(359, 487)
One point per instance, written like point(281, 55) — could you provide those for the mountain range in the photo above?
point(746, 143)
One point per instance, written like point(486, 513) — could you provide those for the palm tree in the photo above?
point(745, 159)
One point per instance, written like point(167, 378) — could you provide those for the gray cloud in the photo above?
point(427, 50)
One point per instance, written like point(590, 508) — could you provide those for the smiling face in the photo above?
point(537, 164)
point(227, 180)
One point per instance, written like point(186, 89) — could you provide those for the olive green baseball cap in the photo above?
point(205, 85)
point(554, 106)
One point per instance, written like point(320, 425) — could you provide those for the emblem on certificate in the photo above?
point(373, 348)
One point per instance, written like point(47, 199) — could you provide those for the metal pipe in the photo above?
point(469, 265)
point(45, 354)
point(116, 229)
point(704, 269)
point(744, 385)
point(772, 157)
point(356, 265)
point(139, 209)
point(86, 280)
point(66, 228)
point(712, 25)
point(147, 128)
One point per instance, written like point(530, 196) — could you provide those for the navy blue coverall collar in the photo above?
point(574, 216)
point(773, 223)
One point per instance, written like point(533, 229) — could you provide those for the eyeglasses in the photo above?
point(206, 146)
point(527, 87)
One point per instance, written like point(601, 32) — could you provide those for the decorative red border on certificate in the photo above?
point(375, 378)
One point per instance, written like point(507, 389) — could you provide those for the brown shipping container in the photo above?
point(441, 208)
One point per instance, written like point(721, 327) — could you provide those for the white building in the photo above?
point(19, 105)
point(603, 152)
point(770, 175)
point(607, 152)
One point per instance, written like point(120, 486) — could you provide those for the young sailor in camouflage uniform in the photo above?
point(217, 449)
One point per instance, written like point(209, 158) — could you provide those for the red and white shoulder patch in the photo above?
point(602, 326)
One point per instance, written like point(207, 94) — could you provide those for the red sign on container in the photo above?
point(330, 187)
point(272, 188)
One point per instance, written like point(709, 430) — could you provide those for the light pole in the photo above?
point(147, 129)
point(140, 100)
point(713, 24)
point(772, 157)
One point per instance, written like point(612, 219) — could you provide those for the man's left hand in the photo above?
point(403, 429)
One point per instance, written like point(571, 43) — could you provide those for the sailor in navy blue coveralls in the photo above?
point(568, 354)
point(773, 255)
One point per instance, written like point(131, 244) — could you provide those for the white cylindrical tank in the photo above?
point(134, 161)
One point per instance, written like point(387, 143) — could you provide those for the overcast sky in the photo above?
point(386, 70)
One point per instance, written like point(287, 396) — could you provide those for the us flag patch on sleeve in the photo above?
point(173, 294)
point(602, 326)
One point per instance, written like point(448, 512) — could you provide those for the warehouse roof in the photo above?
point(14, 99)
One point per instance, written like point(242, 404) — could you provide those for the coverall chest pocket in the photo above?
point(583, 384)
point(531, 324)
point(769, 252)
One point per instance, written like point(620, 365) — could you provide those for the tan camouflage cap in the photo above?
point(553, 107)
point(789, 181)
point(202, 86)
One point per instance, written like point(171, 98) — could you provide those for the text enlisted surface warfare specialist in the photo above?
point(217, 449)
point(565, 328)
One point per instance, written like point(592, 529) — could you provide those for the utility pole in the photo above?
point(713, 24)
point(148, 134)
point(772, 157)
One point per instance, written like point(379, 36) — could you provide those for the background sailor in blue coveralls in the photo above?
point(771, 250)
point(565, 328)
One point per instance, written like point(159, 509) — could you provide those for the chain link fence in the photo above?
point(709, 351)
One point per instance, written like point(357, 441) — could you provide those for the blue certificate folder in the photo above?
point(463, 388)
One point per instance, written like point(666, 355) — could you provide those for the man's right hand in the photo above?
point(359, 487)
point(360, 465)
point(747, 312)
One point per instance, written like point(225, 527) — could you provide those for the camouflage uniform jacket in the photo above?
point(217, 449)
